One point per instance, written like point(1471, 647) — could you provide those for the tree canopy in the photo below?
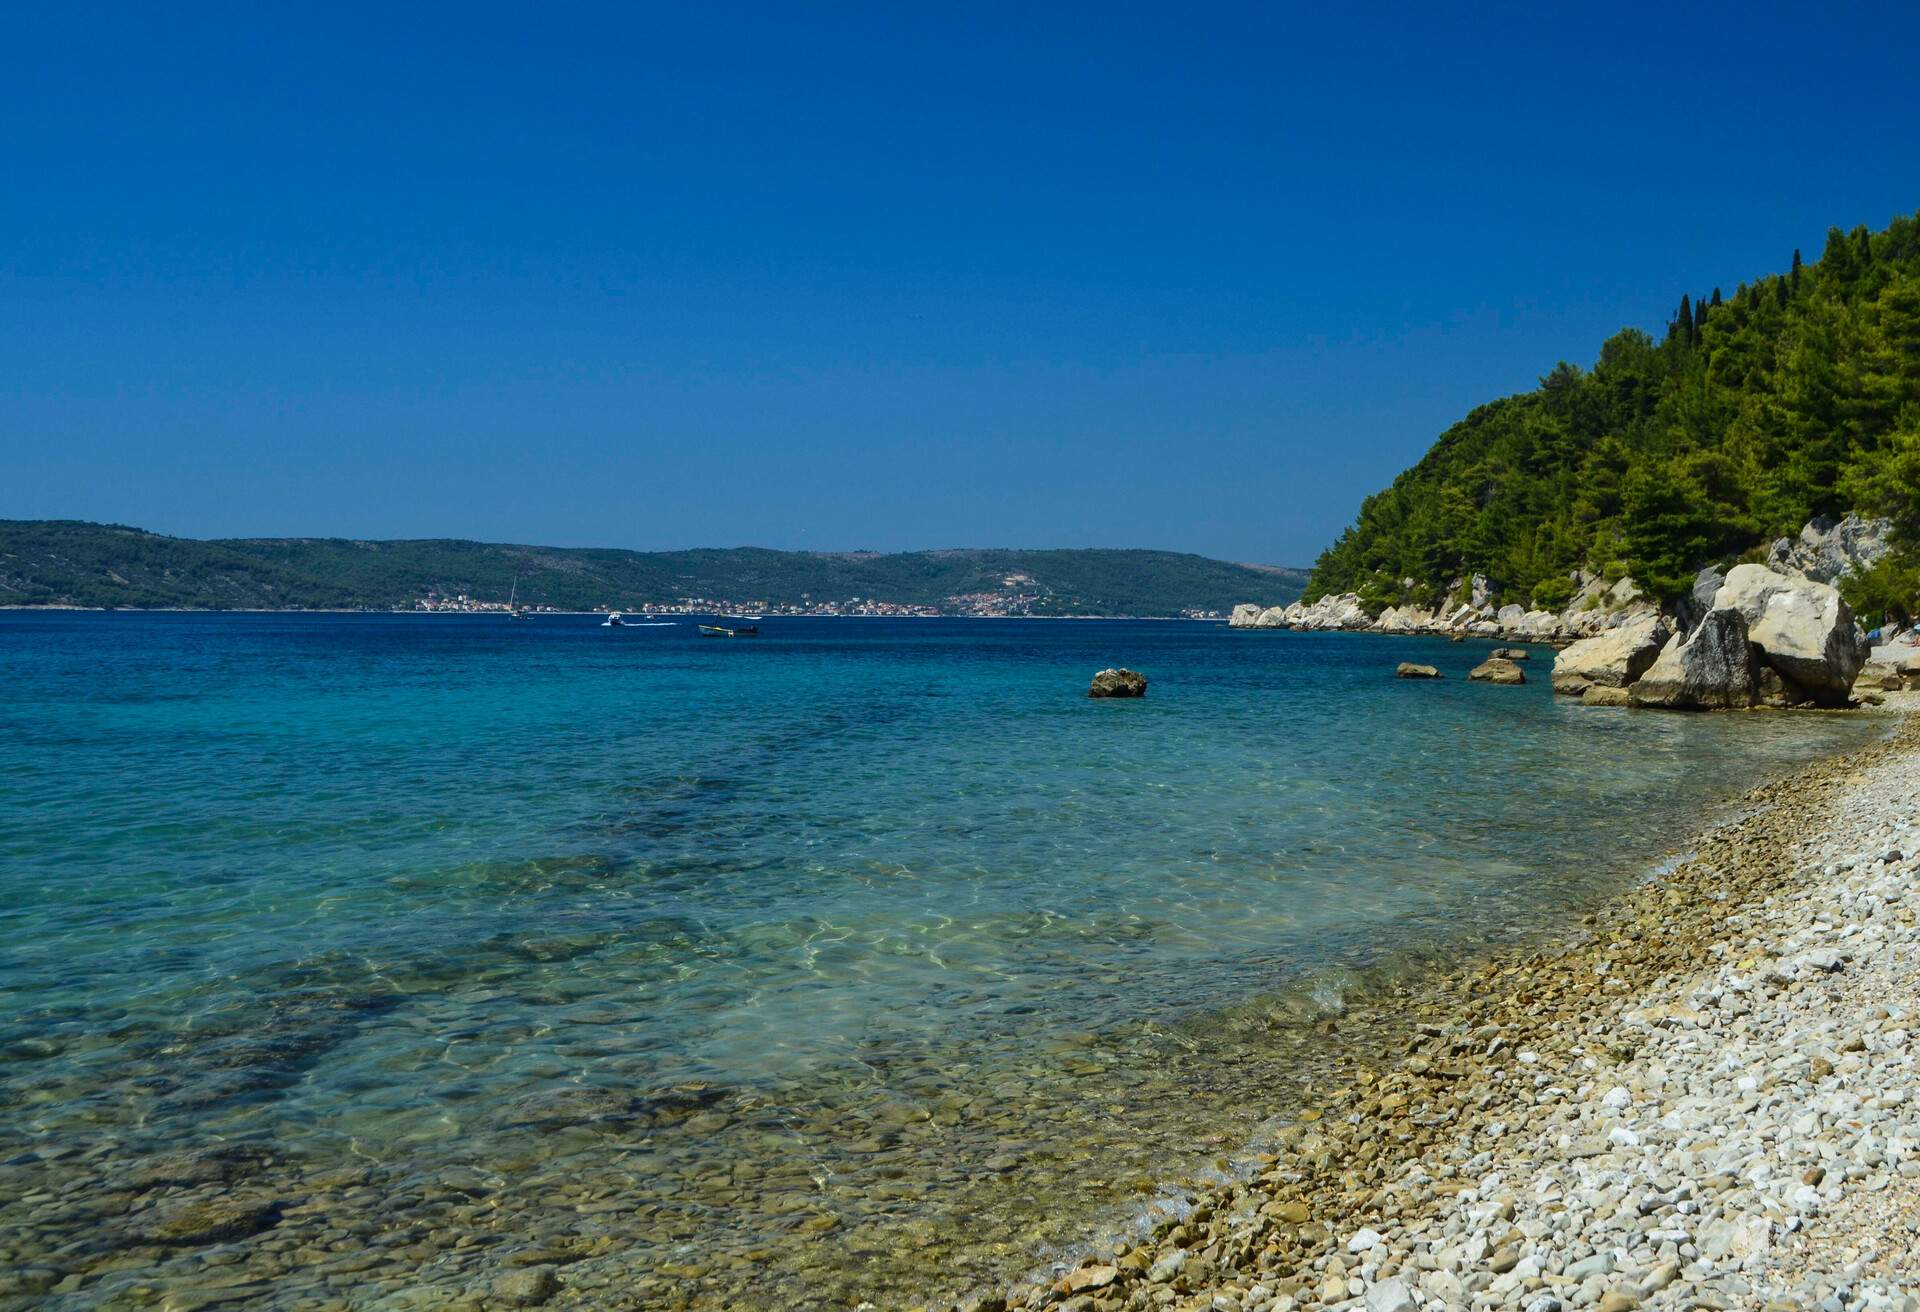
point(1797, 396)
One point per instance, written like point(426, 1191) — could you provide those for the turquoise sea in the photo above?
point(356, 961)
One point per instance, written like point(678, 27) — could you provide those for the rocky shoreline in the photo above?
point(1824, 552)
point(1704, 1096)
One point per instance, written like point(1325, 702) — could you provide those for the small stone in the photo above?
point(1364, 1240)
point(528, 1287)
point(1088, 1277)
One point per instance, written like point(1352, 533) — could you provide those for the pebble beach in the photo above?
point(1702, 1096)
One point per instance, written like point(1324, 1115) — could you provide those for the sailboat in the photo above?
point(514, 612)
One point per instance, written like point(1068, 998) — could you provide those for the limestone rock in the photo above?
point(1613, 659)
point(1390, 1296)
point(1245, 616)
point(1404, 619)
point(1333, 611)
point(1878, 674)
point(1513, 653)
point(1699, 600)
point(1712, 668)
point(1496, 669)
point(1827, 551)
point(1118, 683)
point(1408, 670)
point(1803, 628)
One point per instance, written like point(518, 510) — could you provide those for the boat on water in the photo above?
point(613, 621)
point(721, 631)
point(514, 610)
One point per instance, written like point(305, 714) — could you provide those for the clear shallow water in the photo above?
point(470, 942)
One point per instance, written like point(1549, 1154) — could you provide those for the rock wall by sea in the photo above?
point(1598, 605)
point(1796, 641)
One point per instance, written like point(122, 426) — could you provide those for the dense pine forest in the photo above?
point(1797, 395)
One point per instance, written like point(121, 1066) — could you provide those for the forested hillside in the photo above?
point(1796, 395)
point(69, 562)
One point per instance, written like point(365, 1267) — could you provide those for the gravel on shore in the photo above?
point(1706, 1098)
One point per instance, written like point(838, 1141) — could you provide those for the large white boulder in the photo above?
point(1404, 619)
point(1245, 615)
point(1803, 628)
point(1714, 667)
point(1333, 611)
point(1903, 659)
point(1613, 659)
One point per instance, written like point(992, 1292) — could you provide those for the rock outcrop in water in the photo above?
point(1714, 666)
point(1408, 670)
point(1612, 660)
point(1497, 669)
point(1118, 683)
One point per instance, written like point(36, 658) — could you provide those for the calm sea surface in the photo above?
point(358, 961)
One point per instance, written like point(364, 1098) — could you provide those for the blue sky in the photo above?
point(869, 277)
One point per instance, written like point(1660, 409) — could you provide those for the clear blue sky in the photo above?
point(880, 277)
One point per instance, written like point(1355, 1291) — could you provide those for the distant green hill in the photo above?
point(73, 563)
point(1796, 396)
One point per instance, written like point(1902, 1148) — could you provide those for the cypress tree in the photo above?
point(1681, 329)
point(1793, 278)
point(1699, 319)
point(1716, 298)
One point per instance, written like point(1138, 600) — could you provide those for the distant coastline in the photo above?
point(77, 564)
point(564, 614)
